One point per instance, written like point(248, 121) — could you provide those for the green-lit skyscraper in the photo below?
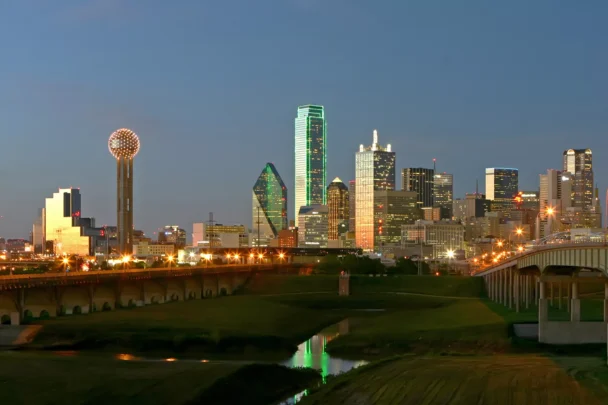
point(269, 215)
point(310, 157)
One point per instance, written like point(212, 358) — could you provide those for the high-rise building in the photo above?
point(555, 192)
point(474, 205)
point(219, 236)
point(310, 156)
point(314, 226)
point(269, 213)
point(443, 193)
point(530, 200)
point(352, 190)
point(124, 145)
point(421, 181)
point(374, 171)
point(339, 207)
point(38, 237)
point(62, 223)
point(392, 209)
point(579, 163)
point(172, 235)
point(501, 187)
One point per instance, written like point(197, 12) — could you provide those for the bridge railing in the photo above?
point(227, 268)
point(537, 249)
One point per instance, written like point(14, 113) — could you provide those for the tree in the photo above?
point(329, 264)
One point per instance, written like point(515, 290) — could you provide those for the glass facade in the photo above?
point(314, 226)
point(443, 194)
point(310, 156)
point(62, 223)
point(501, 187)
point(269, 214)
point(579, 162)
point(392, 210)
point(352, 189)
point(421, 181)
point(374, 170)
point(339, 208)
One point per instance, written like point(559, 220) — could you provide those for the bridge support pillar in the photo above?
point(543, 313)
point(575, 306)
point(606, 302)
point(15, 318)
point(559, 295)
point(551, 293)
point(511, 287)
point(494, 287)
point(527, 290)
point(517, 291)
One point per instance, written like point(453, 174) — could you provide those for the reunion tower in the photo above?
point(124, 145)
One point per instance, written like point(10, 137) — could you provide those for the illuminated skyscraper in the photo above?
point(501, 187)
point(62, 223)
point(339, 207)
point(374, 170)
point(443, 194)
point(310, 157)
point(352, 190)
point(269, 214)
point(124, 145)
point(421, 181)
point(579, 163)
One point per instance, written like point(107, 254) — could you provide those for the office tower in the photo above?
point(62, 223)
point(474, 205)
point(374, 171)
point(530, 200)
point(38, 238)
point(501, 187)
point(269, 208)
point(314, 226)
point(392, 209)
point(339, 206)
point(124, 145)
point(352, 190)
point(443, 192)
point(578, 162)
point(172, 235)
point(555, 192)
point(421, 181)
point(310, 156)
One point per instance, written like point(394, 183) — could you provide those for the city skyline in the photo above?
point(505, 106)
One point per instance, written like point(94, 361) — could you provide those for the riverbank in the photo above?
point(40, 379)
point(488, 380)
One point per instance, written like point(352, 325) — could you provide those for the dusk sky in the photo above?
point(212, 89)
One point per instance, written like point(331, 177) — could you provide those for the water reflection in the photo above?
point(312, 354)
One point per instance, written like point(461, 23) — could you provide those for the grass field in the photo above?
point(214, 325)
point(496, 380)
point(457, 326)
point(431, 285)
point(40, 379)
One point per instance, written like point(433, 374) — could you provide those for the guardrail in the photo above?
point(17, 280)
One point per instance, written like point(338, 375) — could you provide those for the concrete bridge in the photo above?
point(53, 294)
point(552, 276)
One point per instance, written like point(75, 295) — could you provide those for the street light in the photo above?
point(170, 260)
point(65, 261)
point(125, 262)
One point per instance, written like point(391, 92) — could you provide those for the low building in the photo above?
point(313, 230)
point(145, 249)
point(444, 236)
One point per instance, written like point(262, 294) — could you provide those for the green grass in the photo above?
point(430, 285)
point(230, 324)
point(35, 379)
point(456, 326)
point(496, 380)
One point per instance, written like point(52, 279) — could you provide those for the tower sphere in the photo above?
point(123, 143)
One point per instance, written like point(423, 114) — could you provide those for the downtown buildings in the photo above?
point(339, 207)
point(269, 208)
point(374, 171)
point(502, 186)
point(310, 157)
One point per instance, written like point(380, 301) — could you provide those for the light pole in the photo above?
point(170, 259)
